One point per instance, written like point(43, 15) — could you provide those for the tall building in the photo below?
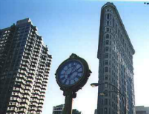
point(115, 54)
point(142, 110)
point(24, 69)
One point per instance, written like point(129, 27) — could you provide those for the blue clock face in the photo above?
point(71, 72)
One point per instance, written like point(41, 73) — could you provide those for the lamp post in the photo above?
point(146, 3)
point(118, 91)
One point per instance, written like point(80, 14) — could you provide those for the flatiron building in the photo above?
point(24, 69)
point(115, 54)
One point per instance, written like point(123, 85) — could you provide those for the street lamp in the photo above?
point(146, 3)
point(118, 91)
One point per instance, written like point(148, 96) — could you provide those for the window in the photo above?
point(107, 49)
point(107, 29)
point(106, 101)
point(106, 55)
point(108, 10)
point(108, 16)
point(107, 42)
point(106, 69)
point(107, 36)
point(106, 77)
point(105, 110)
point(107, 23)
point(106, 62)
point(106, 85)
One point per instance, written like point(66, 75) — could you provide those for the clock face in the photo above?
point(71, 72)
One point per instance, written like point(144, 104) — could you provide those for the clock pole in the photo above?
point(69, 95)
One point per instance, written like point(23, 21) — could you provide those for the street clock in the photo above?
point(72, 75)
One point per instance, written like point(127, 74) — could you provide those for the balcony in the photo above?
point(43, 88)
point(22, 73)
point(37, 89)
point(45, 81)
point(46, 78)
point(35, 97)
point(30, 77)
point(39, 82)
point(26, 60)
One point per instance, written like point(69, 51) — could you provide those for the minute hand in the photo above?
point(74, 70)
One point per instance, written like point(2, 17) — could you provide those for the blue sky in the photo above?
point(73, 27)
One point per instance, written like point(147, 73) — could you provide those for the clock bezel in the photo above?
point(62, 68)
point(78, 85)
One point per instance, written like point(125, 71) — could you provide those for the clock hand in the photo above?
point(74, 66)
point(74, 71)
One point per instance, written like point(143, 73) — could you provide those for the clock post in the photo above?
point(69, 95)
point(72, 75)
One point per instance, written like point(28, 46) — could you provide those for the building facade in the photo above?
point(115, 54)
point(24, 69)
point(58, 109)
point(142, 110)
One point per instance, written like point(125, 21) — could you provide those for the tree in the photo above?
point(75, 111)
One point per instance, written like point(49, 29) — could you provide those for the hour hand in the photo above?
point(73, 68)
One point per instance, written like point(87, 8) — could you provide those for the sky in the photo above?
point(72, 26)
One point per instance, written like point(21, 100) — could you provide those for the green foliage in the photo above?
point(75, 111)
